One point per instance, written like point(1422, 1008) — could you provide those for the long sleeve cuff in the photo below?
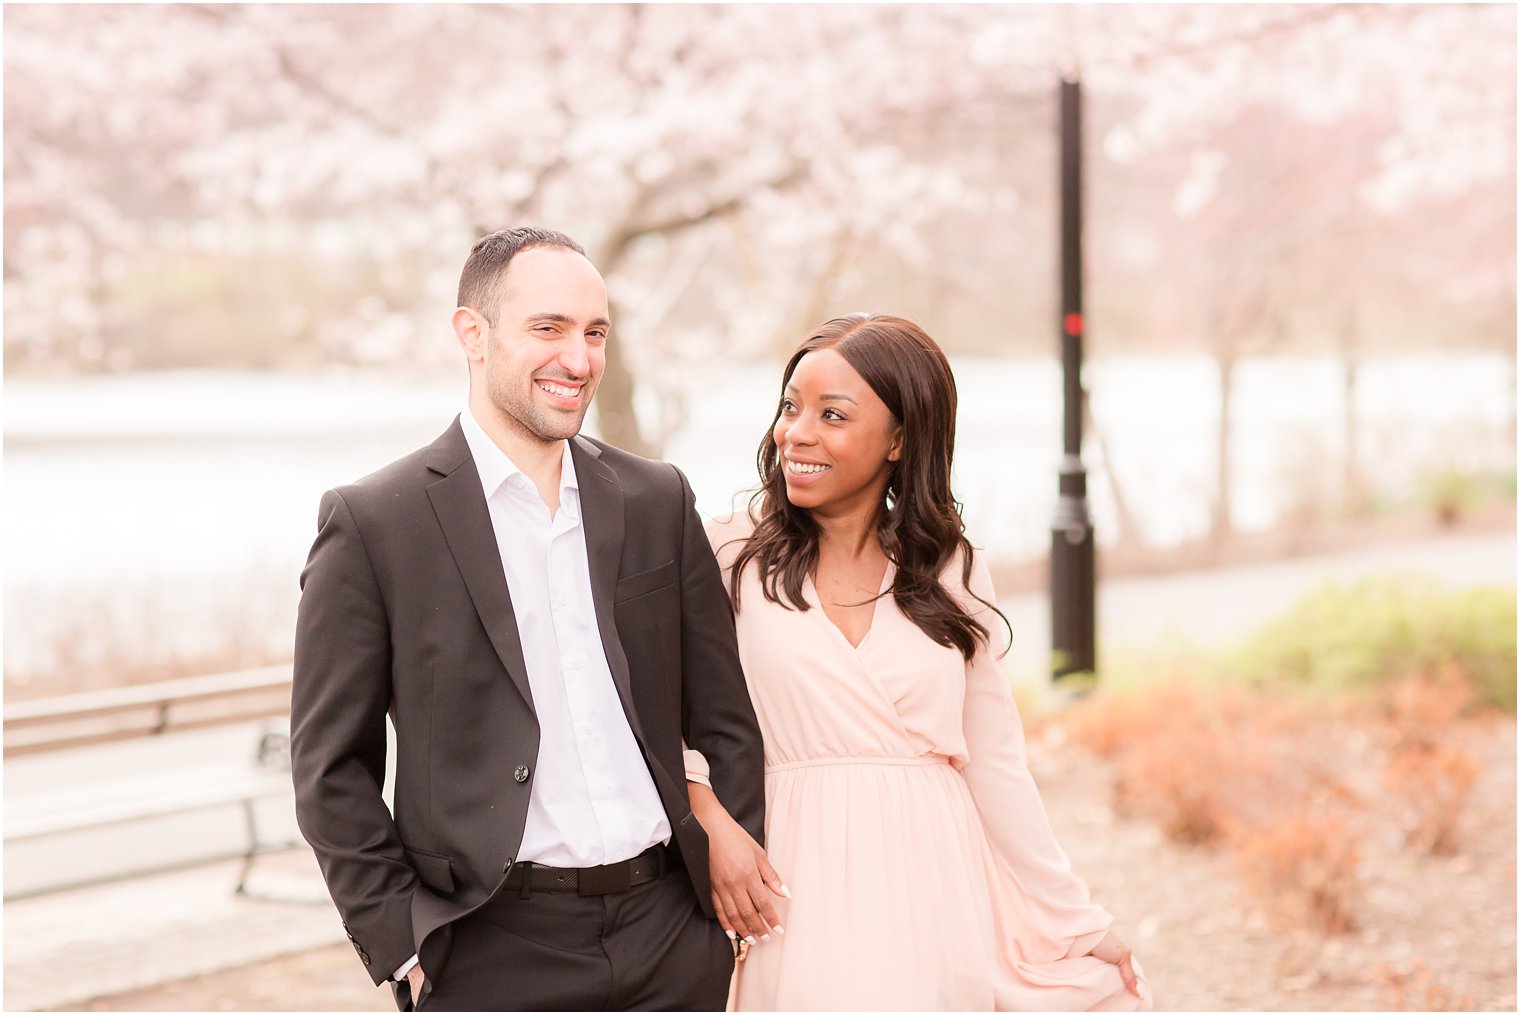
point(1083, 944)
point(403, 969)
point(697, 769)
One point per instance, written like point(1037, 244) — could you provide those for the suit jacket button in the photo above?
point(521, 773)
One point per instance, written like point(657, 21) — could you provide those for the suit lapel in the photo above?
point(466, 522)
point(602, 519)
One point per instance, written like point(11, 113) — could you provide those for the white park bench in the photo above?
point(152, 710)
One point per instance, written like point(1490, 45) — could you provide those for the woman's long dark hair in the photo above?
point(920, 527)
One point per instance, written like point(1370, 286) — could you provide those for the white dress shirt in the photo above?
point(593, 800)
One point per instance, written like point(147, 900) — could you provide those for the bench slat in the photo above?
point(161, 804)
point(163, 693)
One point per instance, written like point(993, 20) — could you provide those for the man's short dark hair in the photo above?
point(482, 284)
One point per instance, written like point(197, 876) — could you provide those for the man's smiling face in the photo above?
point(545, 353)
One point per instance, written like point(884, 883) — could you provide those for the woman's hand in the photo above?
point(743, 879)
point(415, 978)
point(1113, 949)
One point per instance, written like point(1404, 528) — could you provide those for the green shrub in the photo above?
point(1375, 633)
point(1452, 494)
point(1475, 630)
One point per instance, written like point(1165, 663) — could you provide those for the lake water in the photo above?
point(152, 514)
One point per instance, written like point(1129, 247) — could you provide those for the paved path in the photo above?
point(1214, 607)
point(64, 948)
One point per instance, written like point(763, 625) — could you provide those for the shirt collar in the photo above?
point(496, 467)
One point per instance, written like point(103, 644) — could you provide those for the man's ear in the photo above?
point(471, 329)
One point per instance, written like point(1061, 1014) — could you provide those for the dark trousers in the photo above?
point(650, 948)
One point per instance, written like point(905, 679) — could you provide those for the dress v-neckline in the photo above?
point(881, 593)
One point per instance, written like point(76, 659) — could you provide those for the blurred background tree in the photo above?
point(278, 187)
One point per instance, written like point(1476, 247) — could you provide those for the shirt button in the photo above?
point(589, 730)
point(575, 663)
point(562, 601)
point(606, 794)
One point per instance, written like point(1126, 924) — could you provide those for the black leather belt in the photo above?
point(529, 877)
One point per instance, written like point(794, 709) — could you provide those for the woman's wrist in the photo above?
point(704, 803)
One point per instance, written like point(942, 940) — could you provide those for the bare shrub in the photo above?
point(1260, 775)
point(1428, 777)
point(1413, 987)
point(1304, 860)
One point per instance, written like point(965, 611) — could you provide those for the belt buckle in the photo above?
point(606, 879)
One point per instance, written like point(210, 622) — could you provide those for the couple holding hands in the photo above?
point(630, 748)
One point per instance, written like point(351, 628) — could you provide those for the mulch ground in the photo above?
point(1432, 932)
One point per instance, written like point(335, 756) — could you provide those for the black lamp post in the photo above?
point(1072, 575)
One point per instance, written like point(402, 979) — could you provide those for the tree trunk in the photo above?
point(1510, 350)
point(1124, 520)
point(1221, 528)
point(615, 414)
point(1353, 494)
point(615, 398)
point(821, 303)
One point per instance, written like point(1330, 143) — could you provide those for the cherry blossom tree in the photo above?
point(738, 172)
point(634, 127)
point(1314, 158)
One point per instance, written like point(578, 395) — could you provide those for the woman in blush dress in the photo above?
point(921, 872)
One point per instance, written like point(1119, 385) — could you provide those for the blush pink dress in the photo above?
point(901, 814)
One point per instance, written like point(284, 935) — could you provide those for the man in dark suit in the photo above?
point(541, 617)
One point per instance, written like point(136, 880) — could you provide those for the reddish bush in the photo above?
point(1289, 784)
point(1304, 860)
point(1429, 785)
point(1414, 988)
point(1263, 775)
point(1428, 778)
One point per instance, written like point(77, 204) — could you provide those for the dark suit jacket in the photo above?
point(404, 611)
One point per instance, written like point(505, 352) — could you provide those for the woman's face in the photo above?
point(836, 438)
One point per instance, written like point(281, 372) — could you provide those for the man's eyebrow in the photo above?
point(558, 318)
